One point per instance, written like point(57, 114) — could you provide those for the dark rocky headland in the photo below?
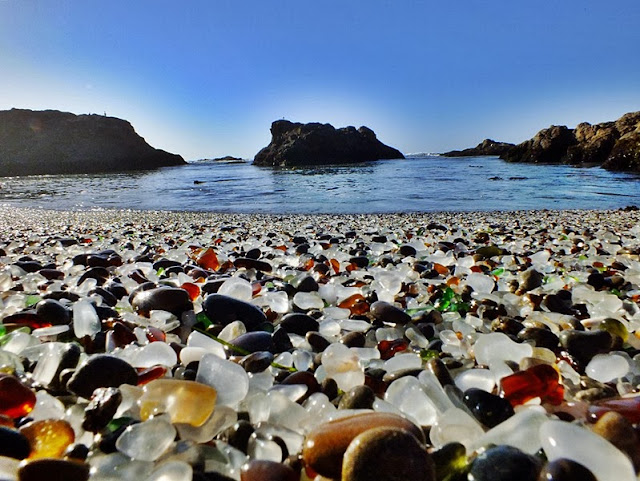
point(486, 147)
point(316, 143)
point(612, 145)
point(53, 142)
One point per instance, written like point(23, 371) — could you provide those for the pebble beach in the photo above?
point(449, 346)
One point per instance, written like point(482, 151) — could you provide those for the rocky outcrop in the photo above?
point(549, 146)
point(53, 142)
point(486, 147)
point(612, 145)
point(315, 143)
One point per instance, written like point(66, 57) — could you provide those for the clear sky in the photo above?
point(205, 78)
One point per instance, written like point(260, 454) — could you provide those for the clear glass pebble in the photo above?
point(607, 367)
point(48, 363)
point(172, 471)
point(499, 347)
point(480, 283)
point(308, 300)
point(47, 407)
point(85, 319)
point(155, 353)
point(409, 397)
point(237, 288)
point(566, 440)
point(520, 431)
point(197, 339)
point(476, 378)
point(16, 341)
point(147, 441)
point(264, 449)
point(229, 379)
point(455, 425)
point(401, 362)
point(342, 364)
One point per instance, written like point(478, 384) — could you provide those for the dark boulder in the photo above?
point(611, 145)
point(549, 146)
point(53, 142)
point(625, 154)
point(315, 143)
point(486, 147)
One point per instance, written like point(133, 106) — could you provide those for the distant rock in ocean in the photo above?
point(315, 143)
point(486, 147)
point(612, 145)
point(53, 142)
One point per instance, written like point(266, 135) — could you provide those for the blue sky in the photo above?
point(205, 78)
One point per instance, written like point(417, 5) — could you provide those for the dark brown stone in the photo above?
point(261, 470)
point(387, 454)
point(53, 470)
point(326, 444)
point(171, 299)
point(101, 371)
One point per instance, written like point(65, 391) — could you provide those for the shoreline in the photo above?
point(9, 214)
point(422, 323)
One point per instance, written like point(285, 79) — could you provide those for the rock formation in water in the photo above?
point(486, 147)
point(613, 145)
point(315, 143)
point(53, 142)
point(228, 158)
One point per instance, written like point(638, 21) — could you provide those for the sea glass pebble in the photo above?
point(172, 471)
point(48, 438)
point(565, 440)
point(541, 381)
point(230, 380)
point(341, 364)
point(488, 408)
point(520, 431)
point(607, 367)
point(85, 319)
point(155, 353)
point(146, 441)
point(407, 394)
point(455, 425)
point(16, 399)
point(499, 347)
point(186, 402)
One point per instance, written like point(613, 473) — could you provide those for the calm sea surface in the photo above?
point(425, 183)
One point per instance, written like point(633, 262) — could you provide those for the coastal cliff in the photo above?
point(295, 143)
point(612, 145)
point(53, 142)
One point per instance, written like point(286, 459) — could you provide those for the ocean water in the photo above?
point(418, 184)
